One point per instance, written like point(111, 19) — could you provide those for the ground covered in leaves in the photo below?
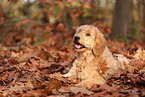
point(26, 70)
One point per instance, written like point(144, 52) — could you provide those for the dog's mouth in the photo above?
point(79, 46)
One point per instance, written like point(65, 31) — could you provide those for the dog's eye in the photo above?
point(80, 30)
point(88, 34)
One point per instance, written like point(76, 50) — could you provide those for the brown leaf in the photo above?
point(49, 13)
point(34, 93)
point(58, 15)
point(107, 29)
point(140, 54)
point(19, 87)
point(22, 22)
point(15, 55)
point(18, 38)
point(100, 94)
point(48, 28)
point(103, 68)
point(26, 56)
point(54, 84)
point(96, 88)
point(34, 62)
point(28, 95)
point(60, 27)
point(82, 90)
point(29, 85)
point(75, 90)
point(13, 61)
point(58, 77)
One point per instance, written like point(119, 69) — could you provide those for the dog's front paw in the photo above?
point(85, 84)
point(70, 76)
point(88, 83)
point(67, 75)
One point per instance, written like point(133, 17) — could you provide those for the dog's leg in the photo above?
point(91, 81)
point(72, 73)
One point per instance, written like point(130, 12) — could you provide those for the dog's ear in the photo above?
point(99, 44)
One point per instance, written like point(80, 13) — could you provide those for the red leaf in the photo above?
point(13, 61)
point(87, 6)
point(48, 28)
point(49, 13)
point(60, 27)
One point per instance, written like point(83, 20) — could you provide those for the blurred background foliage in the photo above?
point(40, 19)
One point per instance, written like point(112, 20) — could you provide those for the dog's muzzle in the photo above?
point(76, 38)
point(78, 46)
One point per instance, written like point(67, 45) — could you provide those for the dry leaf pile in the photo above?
point(28, 71)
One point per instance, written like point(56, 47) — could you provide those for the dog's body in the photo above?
point(94, 63)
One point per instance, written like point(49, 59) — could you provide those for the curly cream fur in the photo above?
point(90, 59)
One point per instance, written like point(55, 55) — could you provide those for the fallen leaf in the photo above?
point(82, 90)
point(49, 13)
point(48, 28)
point(75, 90)
point(13, 61)
point(110, 88)
point(58, 77)
point(34, 62)
point(15, 55)
point(26, 56)
point(54, 84)
point(103, 68)
point(19, 87)
point(87, 6)
point(60, 27)
point(140, 54)
point(29, 85)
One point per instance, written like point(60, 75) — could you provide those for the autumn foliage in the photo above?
point(36, 44)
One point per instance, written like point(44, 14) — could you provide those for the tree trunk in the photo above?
point(122, 18)
point(144, 13)
point(140, 11)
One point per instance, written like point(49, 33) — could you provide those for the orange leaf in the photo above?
point(18, 37)
point(13, 61)
point(103, 68)
point(22, 22)
point(60, 27)
point(107, 29)
point(49, 13)
point(48, 28)
point(87, 6)
point(54, 84)
point(58, 16)
point(45, 8)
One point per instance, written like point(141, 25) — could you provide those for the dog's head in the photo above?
point(88, 37)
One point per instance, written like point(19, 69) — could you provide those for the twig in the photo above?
point(14, 48)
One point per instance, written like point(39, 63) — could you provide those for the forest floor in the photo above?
point(26, 69)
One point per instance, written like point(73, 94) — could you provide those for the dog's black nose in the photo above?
point(77, 38)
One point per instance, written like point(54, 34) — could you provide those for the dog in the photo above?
point(94, 63)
